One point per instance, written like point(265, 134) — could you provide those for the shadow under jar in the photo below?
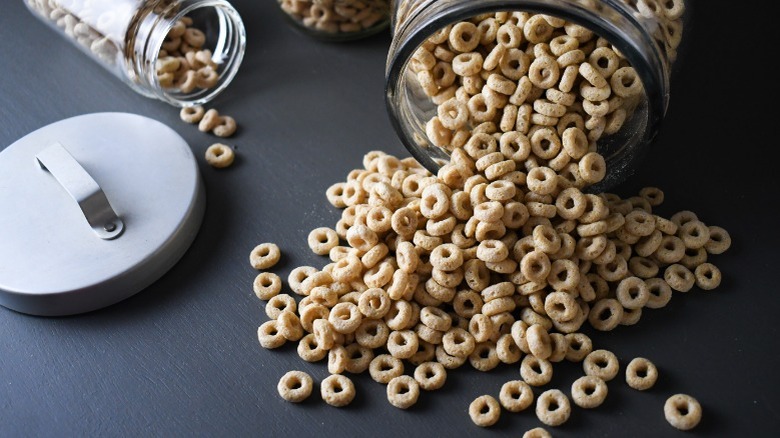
point(526, 71)
point(181, 52)
point(337, 20)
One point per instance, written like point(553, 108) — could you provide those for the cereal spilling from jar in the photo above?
point(478, 267)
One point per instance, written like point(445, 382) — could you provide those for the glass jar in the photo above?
point(184, 52)
point(641, 35)
point(337, 20)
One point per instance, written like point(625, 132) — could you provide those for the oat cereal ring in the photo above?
point(694, 234)
point(209, 120)
point(653, 195)
point(453, 114)
point(225, 127)
point(219, 155)
point(544, 72)
point(289, 325)
point(358, 358)
point(694, 257)
point(403, 391)
point(484, 411)
point(458, 342)
point(372, 333)
point(345, 317)
point(430, 375)
point(671, 250)
point(516, 396)
point(660, 293)
point(632, 292)
point(579, 346)
point(267, 285)
point(536, 371)
point(601, 363)
point(464, 36)
point(641, 374)
point(679, 277)
point(683, 217)
point(269, 335)
point(708, 276)
point(535, 265)
point(449, 362)
point(447, 257)
point(402, 343)
point(537, 432)
point(501, 190)
point(192, 114)
point(545, 143)
point(374, 303)
point(643, 267)
point(682, 411)
point(542, 180)
point(537, 29)
point(589, 392)
point(625, 82)
point(507, 350)
point(278, 304)
point(322, 240)
point(553, 407)
point(337, 390)
point(719, 242)
point(483, 358)
point(605, 314)
point(295, 386)
point(592, 167)
point(206, 78)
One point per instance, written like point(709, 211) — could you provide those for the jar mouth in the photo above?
point(225, 37)
point(640, 50)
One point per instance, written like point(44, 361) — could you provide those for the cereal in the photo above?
point(537, 432)
point(553, 407)
point(484, 411)
point(264, 256)
point(269, 335)
point(516, 396)
point(267, 285)
point(682, 411)
point(322, 240)
point(219, 155)
point(225, 126)
point(403, 392)
point(602, 364)
point(337, 390)
point(641, 374)
point(192, 114)
point(430, 375)
point(535, 371)
point(295, 386)
point(589, 392)
point(707, 276)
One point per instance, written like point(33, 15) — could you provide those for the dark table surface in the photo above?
point(181, 358)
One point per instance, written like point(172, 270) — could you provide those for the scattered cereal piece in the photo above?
point(516, 396)
point(267, 285)
point(682, 411)
point(192, 114)
point(601, 363)
point(484, 411)
point(264, 256)
point(553, 407)
point(589, 392)
point(641, 374)
point(403, 391)
point(537, 432)
point(337, 390)
point(219, 155)
point(295, 386)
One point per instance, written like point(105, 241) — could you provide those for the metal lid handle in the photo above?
point(83, 189)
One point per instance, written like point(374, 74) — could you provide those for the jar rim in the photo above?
point(230, 21)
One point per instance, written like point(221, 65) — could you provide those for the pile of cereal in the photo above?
point(183, 63)
point(510, 73)
point(337, 16)
point(480, 266)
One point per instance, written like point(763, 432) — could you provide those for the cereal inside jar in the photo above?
point(578, 95)
point(181, 52)
point(337, 20)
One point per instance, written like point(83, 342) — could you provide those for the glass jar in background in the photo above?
point(637, 38)
point(184, 52)
point(337, 20)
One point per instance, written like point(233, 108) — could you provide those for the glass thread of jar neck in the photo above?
point(415, 21)
point(148, 33)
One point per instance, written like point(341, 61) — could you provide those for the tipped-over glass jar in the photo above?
point(544, 82)
point(337, 20)
point(183, 52)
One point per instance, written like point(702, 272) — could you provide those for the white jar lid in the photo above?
point(93, 209)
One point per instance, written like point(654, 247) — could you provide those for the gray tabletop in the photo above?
point(181, 358)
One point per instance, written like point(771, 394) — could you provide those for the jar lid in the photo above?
point(93, 209)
